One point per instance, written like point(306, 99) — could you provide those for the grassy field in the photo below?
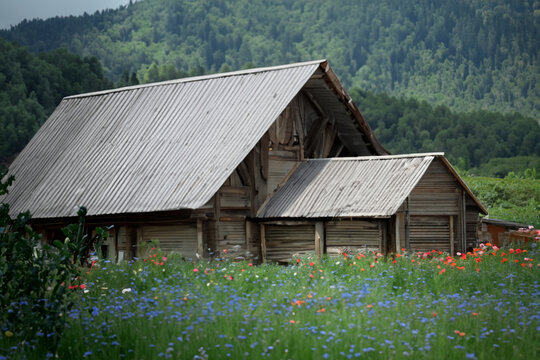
point(480, 305)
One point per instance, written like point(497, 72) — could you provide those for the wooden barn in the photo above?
point(380, 203)
point(190, 163)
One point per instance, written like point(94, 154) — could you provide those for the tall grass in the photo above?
point(482, 305)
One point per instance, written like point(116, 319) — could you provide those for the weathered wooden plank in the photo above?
point(319, 238)
point(452, 245)
point(278, 170)
point(282, 242)
point(407, 225)
point(263, 242)
point(176, 238)
point(200, 242)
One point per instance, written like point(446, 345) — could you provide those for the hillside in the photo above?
point(484, 143)
point(468, 55)
point(32, 86)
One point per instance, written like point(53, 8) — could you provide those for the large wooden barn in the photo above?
point(194, 163)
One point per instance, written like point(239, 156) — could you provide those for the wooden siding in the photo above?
point(232, 237)
point(278, 169)
point(284, 241)
point(472, 226)
point(235, 197)
point(352, 235)
point(126, 242)
point(181, 238)
point(430, 232)
point(436, 193)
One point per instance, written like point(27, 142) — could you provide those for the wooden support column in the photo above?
point(462, 237)
point(200, 244)
point(217, 215)
point(134, 245)
point(249, 248)
point(464, 219)
point(398, 224)
point(383, 239)
point(452, 235)
point(116, 233)
point(407, 226)
point(319, 238)
point(263, 242)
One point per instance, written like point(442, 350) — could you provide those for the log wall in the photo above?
point(352, 236)
point(285, 241)
point(179, 238)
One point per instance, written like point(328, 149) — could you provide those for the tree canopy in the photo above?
point(465, 54)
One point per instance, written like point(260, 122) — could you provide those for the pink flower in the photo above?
point(195, 270)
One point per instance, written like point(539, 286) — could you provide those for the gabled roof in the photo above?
point(371, 186)
point(159, 147)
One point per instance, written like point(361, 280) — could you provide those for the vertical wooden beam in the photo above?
point(398, 243)
point(452, 235)
point(217, 215)
point(464, 212)
point(138, 240)
point(383, 236)
point(462, 222)
point(200, 243)
point(407, 226)
point(116, 233)
point(263, 242)
point(319, 238)
point(248, 246)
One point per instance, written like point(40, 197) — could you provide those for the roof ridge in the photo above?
point(199, 78)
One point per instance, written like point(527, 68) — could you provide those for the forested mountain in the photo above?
point(467, 54)
point(485, 143)
point(32, 86)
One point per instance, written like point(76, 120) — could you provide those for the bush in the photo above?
point(38, 283)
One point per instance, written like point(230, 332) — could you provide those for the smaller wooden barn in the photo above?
point(382, 203)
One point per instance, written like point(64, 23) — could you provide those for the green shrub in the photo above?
point(38, 283)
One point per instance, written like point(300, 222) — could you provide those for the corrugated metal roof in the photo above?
point(348, 187)
point(153, 147)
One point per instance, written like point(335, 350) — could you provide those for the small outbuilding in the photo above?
point(382, 203)
point(501, 232)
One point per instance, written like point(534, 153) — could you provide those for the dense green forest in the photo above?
point(466, 54)
point(32, 86)
point(480, 142)
point(485, 143)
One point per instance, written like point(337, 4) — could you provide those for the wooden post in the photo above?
point(319, 238)
point(383, 236)
point(407, 226)
point(248, 237)
point(398, 244)
point(263, 242)
point(200, 244)
point(217, 215)
point(464, 212)
point(461, 222)
point(451, 235)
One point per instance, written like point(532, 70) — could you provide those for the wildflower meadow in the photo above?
point(484, 304)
